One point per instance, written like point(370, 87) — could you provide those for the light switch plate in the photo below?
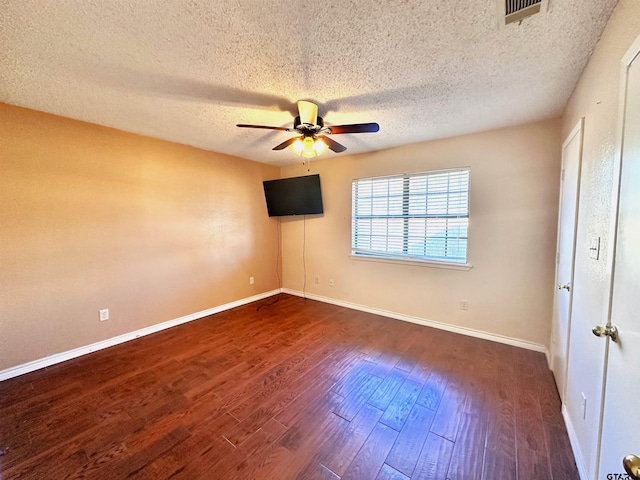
point(594, 248)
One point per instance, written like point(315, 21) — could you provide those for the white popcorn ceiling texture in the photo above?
point(188, 71)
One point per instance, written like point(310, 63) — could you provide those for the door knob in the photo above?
point(564, 286)
point(631, 464)
point(608, 331)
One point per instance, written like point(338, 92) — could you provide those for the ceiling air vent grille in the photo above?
point(516, 10)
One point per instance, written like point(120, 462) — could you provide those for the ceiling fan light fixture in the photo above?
point(320, 147)
point(297, 146)
point(308, 147)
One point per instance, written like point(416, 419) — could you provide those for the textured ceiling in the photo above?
point(188, 71)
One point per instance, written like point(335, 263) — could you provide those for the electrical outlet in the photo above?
point(464, 305)
point(104, 314)
point(317, 280)
point(252, 280)
point(331, 282)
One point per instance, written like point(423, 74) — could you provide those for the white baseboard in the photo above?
point(573, 439)
point(77, 352)
point(427, 323)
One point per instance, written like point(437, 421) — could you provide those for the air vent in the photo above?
point(516, 10)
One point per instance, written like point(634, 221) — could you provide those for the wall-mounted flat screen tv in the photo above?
point(293, 196)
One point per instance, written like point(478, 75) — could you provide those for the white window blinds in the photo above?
point(424, 216)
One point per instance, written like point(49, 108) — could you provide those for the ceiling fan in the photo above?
point(312, 139)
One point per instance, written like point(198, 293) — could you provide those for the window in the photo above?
point(416, 216)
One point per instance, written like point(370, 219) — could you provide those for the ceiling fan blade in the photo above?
point(308, 112)
point(244, 125)
point(332, 144)
point(355, 128)
point(285, 144)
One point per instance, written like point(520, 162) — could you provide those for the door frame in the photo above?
point(627, 60)
point(577, 130)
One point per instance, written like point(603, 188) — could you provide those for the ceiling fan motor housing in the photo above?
point(297, 123)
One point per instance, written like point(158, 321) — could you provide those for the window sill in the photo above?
point(420, 263)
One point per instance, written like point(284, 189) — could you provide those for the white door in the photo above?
point(621, 415)
point(569, 190)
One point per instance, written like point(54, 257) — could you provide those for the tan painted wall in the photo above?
point(514, 198)
point(94, 218)
point(596, 98)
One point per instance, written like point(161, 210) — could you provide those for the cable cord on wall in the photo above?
point(304, 261)
point(277, 269)
point(278, 232)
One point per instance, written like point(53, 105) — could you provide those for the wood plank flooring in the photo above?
point(297, 389)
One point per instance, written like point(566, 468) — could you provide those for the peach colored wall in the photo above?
point(515, 174)
point(596, 99)
point(94, 218)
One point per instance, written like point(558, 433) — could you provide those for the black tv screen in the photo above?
point(293, 196)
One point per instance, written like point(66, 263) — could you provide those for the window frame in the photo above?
point(405, 258)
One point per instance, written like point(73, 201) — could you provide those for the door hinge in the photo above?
point(557, 257)
point(562, 175)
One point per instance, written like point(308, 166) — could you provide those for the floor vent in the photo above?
point(516, 10)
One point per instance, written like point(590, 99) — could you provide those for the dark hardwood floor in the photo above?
point(298, 389)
